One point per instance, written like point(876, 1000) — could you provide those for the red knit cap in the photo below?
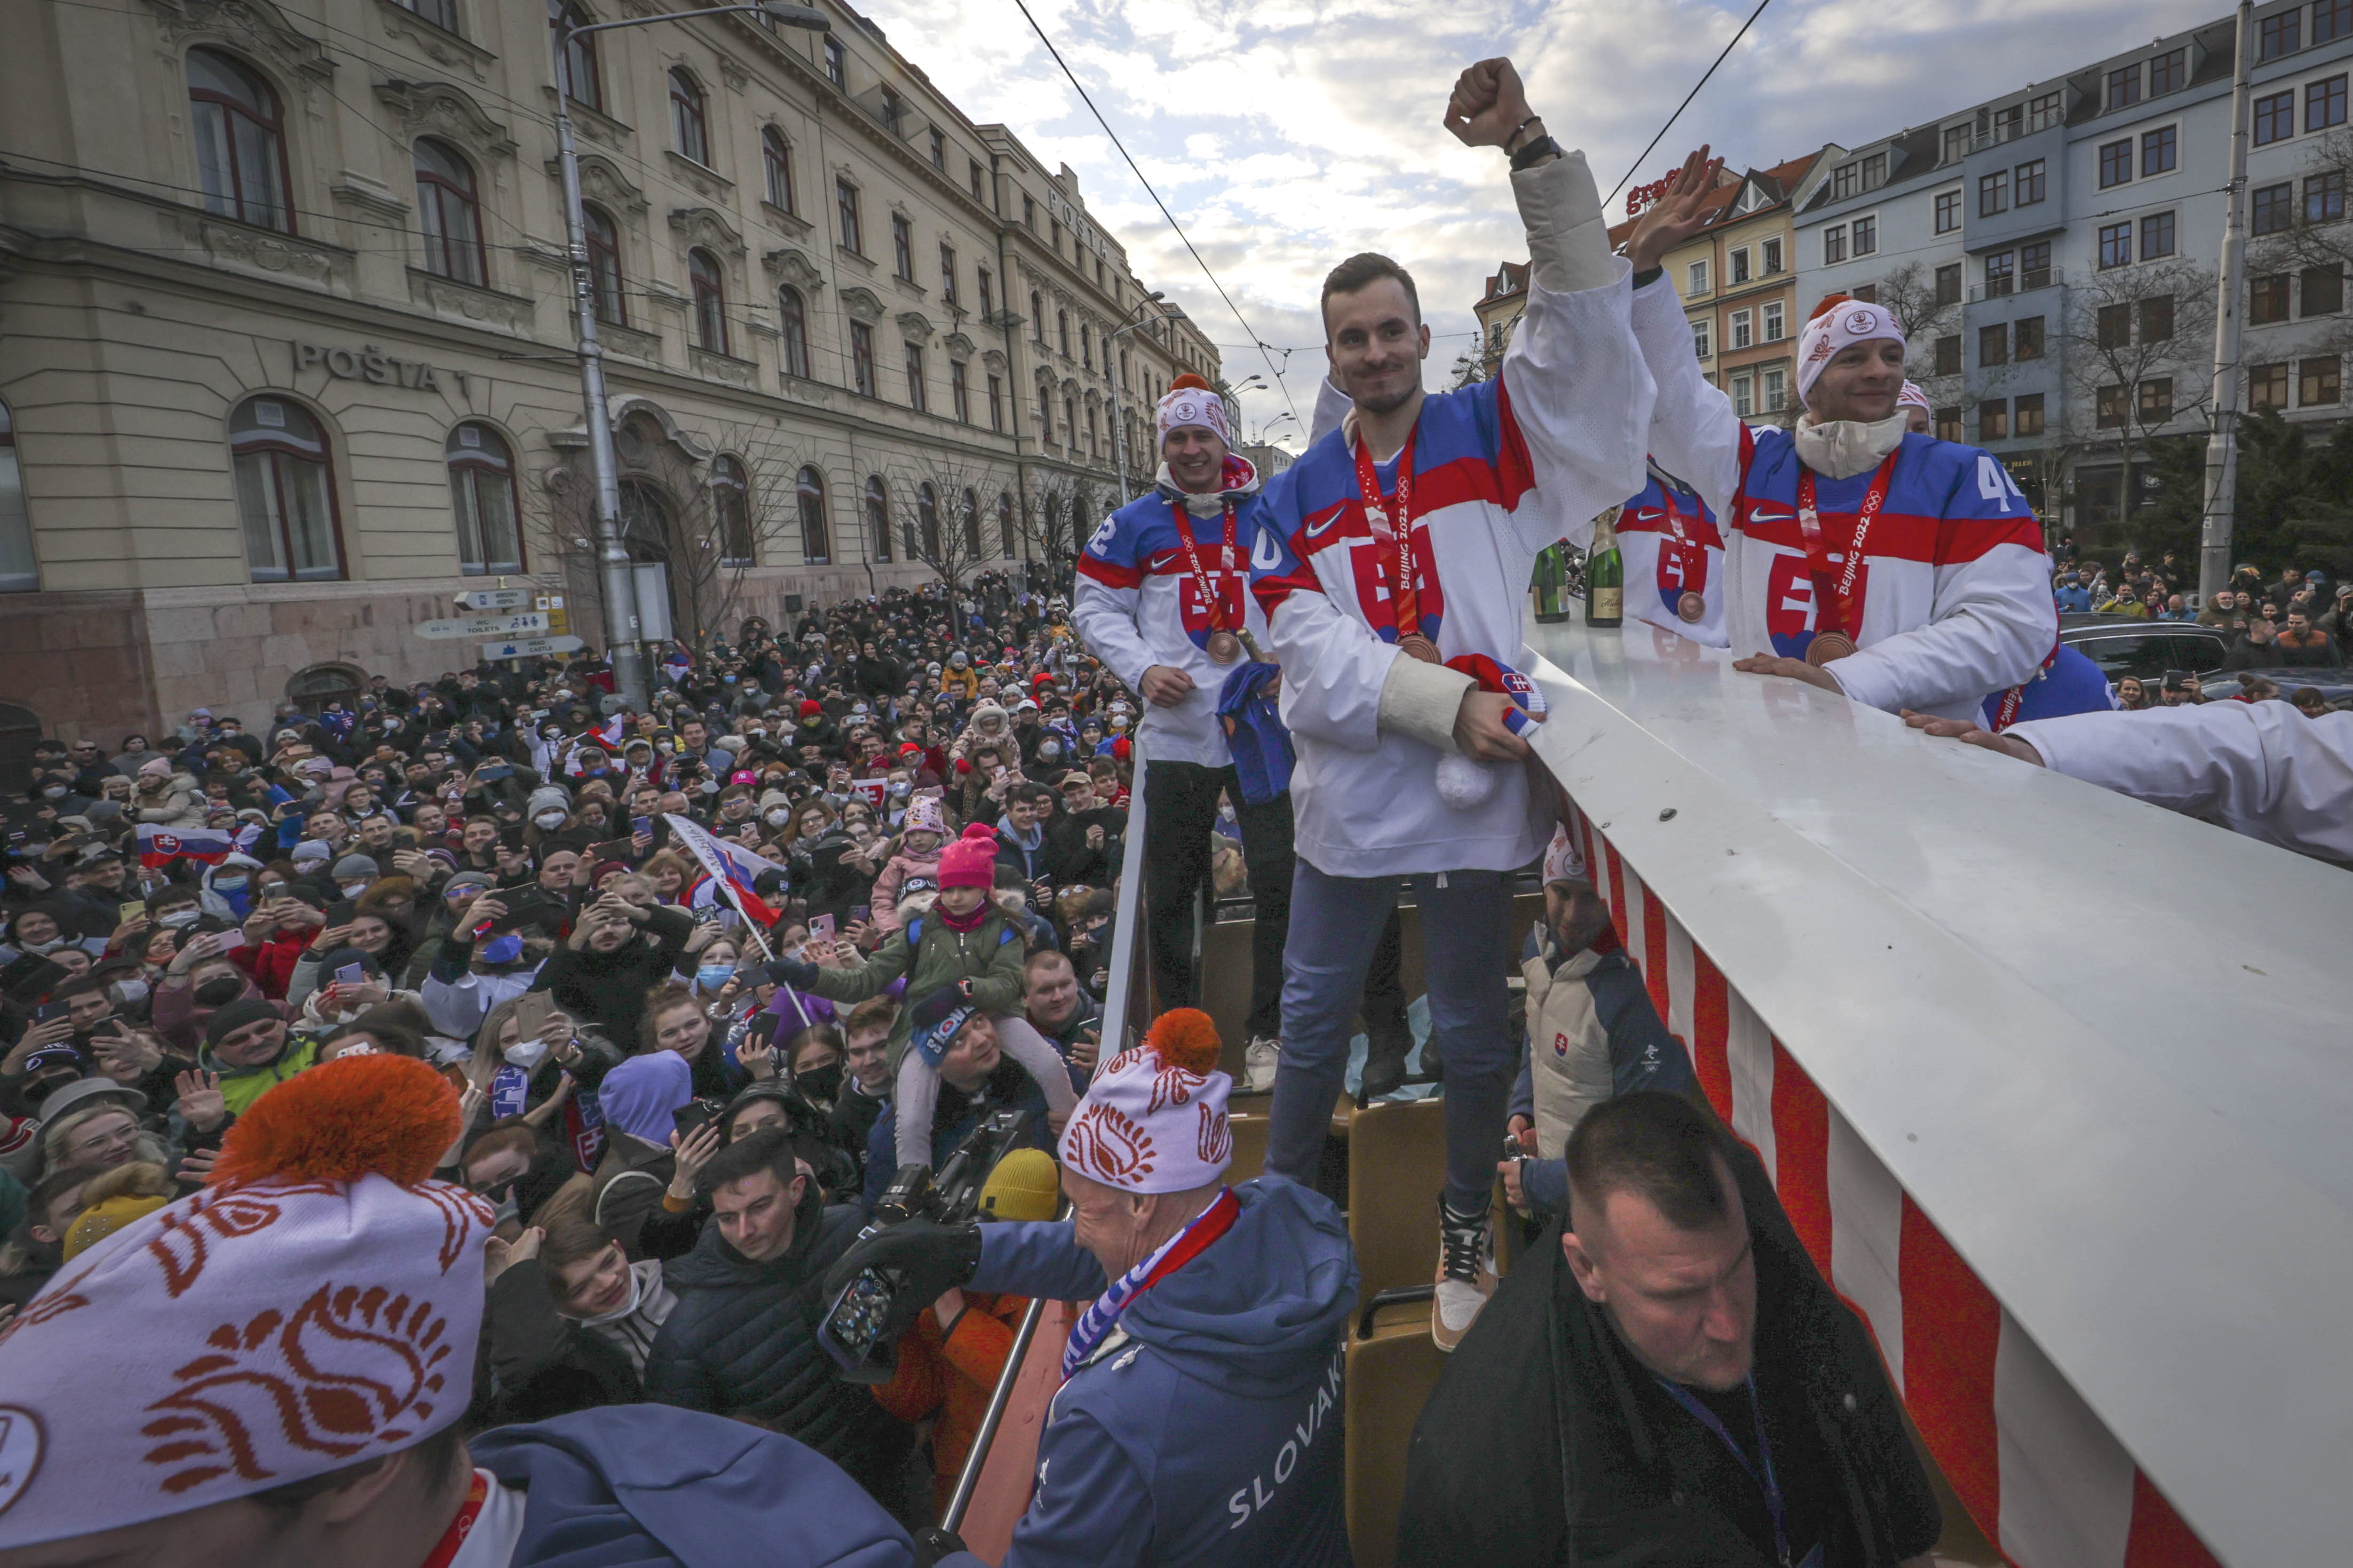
point(971, 860)
point(811, 708)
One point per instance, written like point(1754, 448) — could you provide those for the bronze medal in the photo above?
point(1827, 646)
point(1690, 606)
point(1413, 644)
point(1224, 647)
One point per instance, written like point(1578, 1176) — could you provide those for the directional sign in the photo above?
point(494, 599)
point(519, 623)
point(529, 648)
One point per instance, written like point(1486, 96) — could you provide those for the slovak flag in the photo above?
point(162, 846)
point(608, 735)
point(732, 867)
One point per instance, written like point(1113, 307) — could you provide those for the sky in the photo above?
point(1287, 134)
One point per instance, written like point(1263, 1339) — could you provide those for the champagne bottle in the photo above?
point(1604, 575)
point(1549, 585)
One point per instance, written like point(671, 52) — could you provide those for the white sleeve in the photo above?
point(454, 1007)
point(1695, 434)
point(1333, 671)
point(1105, 619)
point(1991, 625)
point(1332, 405)
point(2258, 768)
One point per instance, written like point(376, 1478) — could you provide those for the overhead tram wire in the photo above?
point(1686, 103)
point(1264, 349)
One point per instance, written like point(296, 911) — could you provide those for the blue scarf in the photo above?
point(1097, 1322)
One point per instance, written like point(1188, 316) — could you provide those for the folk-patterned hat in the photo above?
point(1154, 1121)
point(316, 1307)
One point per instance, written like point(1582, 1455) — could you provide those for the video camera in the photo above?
point(852, 1331)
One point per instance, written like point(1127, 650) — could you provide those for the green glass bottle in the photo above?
point(1604, 575)
point(1549, 584)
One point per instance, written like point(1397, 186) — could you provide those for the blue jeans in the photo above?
point(1335, 923)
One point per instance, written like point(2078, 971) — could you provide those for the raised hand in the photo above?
point(1488, 103)
point(1677, 216)
point(691, 1152)
point(201, 1104)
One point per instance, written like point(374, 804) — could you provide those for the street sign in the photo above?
point(518, 623)
point(494, 599)
point(529, 648)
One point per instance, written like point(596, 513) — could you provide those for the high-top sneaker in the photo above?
point(1260, 1058)
point(1466, 1275)
point(1388, 1043)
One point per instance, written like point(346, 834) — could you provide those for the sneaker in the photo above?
point(1260, 1058)
point(1466, 1275)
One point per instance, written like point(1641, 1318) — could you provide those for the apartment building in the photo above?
point(289, 349)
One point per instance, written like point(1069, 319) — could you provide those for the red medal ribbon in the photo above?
point(460, 1527)
point(1216, 606)
point(1833, 608)
point(1394, 534)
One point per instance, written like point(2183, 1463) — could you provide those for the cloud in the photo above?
point(1286, 134)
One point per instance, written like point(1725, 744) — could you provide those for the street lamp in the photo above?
point(622, 643)
point(1119, 425)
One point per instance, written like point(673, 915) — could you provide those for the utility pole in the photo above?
point(623, 644)
point(2222, 442)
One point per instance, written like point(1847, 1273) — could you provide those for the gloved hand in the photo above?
point(931, 1543)
point(798, 973)
point(934, 1258)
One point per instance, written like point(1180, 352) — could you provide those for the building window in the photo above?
point(2323, 290)
point(2324, 197)
point(837, 63)
point(285, 492)
point(2160, 151)
point(971, 520)
point(1054, 228)
point(1030, 212)
point(1774, 390)
point(792, 314)
point(447, 214)
point(972, 168)
point(576, 62)
point(2044, 112)
point(2267, 299)
point(948, 273)
point(605, 293)
point(1993, 193)
point(1743, 329)
point(2280, 34)
point(2031, 183)
point(1774, 320)
point(1949, 354)
point(240, 143)
point(777, 166)
point(1958, 139)
point(2009, 124)
point(987, 295)
point(877, 519)
point(1062, 331)
point(482, 496)
point(2115, 326)
point(2168, 72)
point(1949, 283)
point(1993, 344)
point(1866, 237)
point(2267, 387)
point(1739, 273)
point(1045, 414)
point(1993, 420)
point(1037, 319)
point(1703, 340)
point(926, 546)
point(709, 302)
point(2027, 338)
point(916, 398)
point(686, 126)
point(1744, 397)
point(1833, 243)
point(1948, 211)
point(1949, 425)
point(903, 248)
point(1695, 278)
point(2155, 236)
point(2156, 319)
point(861, 358)
point(960, 390)
point(1008, 538)
point(1845, 180)
point(2124, 86)
point(730, 509)
point(2157, 400)
point(2331, 20)
point(893, 111)
point(1770, 256)
point(845, 201)
point(1086, 346)
point(809, 495)
point(2323, 104)
point(1071, 422)
point(18, 569)
point(2273, 210)
point(2000, 274)
point(2115, 244)
point(996, 403)
point(2108, 409)
point(2319, 381)
point(2034, 265)
point(939, 151)
point(2116, 163)
point(1874, 171)
point(2275, 118)
point(2026, 416)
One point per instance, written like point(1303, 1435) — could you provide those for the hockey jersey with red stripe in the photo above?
point(1673, 555)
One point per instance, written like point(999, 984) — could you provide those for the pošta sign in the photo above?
point(367, 364)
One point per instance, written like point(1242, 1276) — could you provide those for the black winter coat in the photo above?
point(608, 989)
point(545, 1364)
point(742, 1342)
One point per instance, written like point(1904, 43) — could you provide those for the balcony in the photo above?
point(2024, 283)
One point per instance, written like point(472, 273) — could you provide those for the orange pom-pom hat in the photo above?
point(1155, 1121)
point(390, 1115)
point(1185, 1038)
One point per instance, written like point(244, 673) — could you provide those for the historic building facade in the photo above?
point(286, 344)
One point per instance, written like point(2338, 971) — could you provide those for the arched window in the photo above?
point(1046, 413)
point(285, 491)
point(1037, 316)
point(709, 302)
point(1071, 422)
point(604, 267)
point(448, 213)
point(19, 571)
point(731, 507)
point(577, 58)
point(776, 163)
point(240, 141)
point(878, 517)
point(482, 496)
point(686, 125)
point(1007, 535)
point(312, 689)
point(1062, 331)
point(815, 550)
point(927, 520)
point(794, 316)
point(972, 544)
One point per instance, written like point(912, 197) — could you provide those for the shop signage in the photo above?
point(370, 364)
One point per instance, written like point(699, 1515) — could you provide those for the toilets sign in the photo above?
point(370, 364)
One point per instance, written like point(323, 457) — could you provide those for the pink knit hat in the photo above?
point(971, 860)
point(924, 815)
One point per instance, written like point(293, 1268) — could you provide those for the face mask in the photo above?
point(55, 791)
point(549, 820)
point(227, 884)
point(709, 786)
point(819, 1083)
point(1119, 720)
point(128, 993)
point(502, 949)
point(712, 976)
point(219, 991)
point(902, 788)
point(351, 890)
point(779, 817)
point(178, 918)
point(1048, 749)
point(526, 1054)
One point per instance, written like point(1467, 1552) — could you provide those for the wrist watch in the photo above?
point(1528, 156)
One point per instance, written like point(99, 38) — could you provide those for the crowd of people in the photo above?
point(2295, 622)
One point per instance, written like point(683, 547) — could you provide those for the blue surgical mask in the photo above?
point(227, 884)
point(504, 948)
point(712, 976)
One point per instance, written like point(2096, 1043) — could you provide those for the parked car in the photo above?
point(2336, 684)
point(2126, 645)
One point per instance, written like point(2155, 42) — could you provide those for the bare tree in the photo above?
point(1909, 294)
point(953, 513)
point(2316, 245)
point(1060, 518)
point(1469, 367)
point(2139, 341)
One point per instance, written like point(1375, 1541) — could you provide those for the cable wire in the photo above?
point(1686, 103)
